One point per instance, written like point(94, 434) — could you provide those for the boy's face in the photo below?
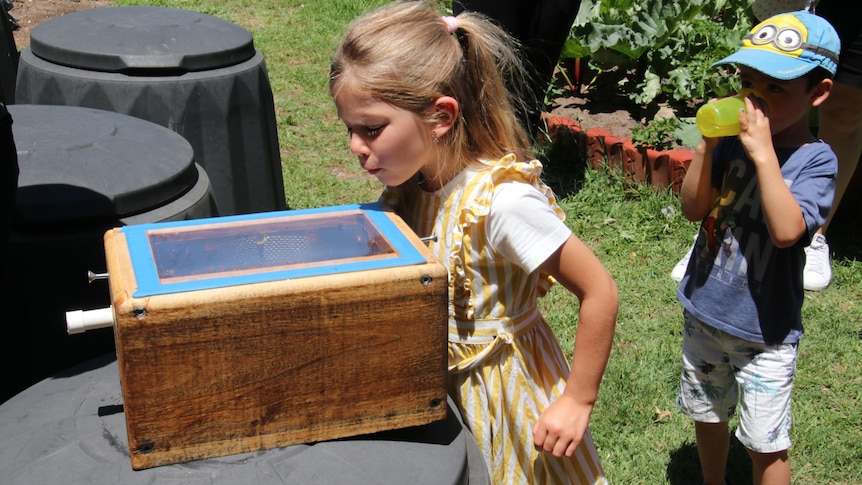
point(788, 101)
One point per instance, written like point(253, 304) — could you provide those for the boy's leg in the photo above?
point(708, 394)
point(770, 468)
point(713, 443)
point(765, 378)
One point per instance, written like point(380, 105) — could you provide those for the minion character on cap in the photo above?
point(788, 46)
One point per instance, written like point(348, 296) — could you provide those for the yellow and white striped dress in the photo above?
point(505, 364)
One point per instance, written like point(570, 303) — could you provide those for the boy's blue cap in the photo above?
point(788, 46)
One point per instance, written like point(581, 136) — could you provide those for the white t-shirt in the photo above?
point(523, 227)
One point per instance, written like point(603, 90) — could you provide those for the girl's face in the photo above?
point(391, 143)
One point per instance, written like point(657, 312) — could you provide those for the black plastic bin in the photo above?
point(193, 73)
point(83, 171)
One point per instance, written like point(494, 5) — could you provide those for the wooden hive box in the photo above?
point(243, 333)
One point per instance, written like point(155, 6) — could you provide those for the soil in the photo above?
point(600, 103)
point(595, 105)
point(589, 113)
point(30, 13)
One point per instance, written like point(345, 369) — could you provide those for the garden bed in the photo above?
point(658, 168)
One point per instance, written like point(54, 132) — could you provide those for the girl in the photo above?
point(428, 113)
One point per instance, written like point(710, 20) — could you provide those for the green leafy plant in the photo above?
point(659, 134)
point(667, 48)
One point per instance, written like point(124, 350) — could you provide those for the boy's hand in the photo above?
point(755, 133)
point(707, 144)
point(562, 426)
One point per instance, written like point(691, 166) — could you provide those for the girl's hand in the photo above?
point(562, 426)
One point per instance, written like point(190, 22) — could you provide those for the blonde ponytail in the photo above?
point(403, 54)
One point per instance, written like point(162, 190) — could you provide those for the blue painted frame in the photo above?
point(144, 266)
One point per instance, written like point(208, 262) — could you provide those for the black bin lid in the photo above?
point(82, 164)
point(151, 39)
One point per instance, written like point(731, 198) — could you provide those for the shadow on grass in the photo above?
point(684, 465)
point(564, 156)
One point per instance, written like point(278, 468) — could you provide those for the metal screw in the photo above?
point(426, 279)
point(91, 277)
point(139, 312)
point(146, 448)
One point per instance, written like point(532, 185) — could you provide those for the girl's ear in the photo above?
point(821, 92)
point(446, 112)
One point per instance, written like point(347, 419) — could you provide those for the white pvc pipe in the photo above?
point(80, 321)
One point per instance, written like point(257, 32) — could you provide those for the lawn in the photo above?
point(637, 232)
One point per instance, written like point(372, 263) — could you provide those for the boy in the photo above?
point(760, 197)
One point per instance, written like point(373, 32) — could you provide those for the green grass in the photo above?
point(641, 436)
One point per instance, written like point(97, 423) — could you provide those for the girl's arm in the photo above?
point(562, 426)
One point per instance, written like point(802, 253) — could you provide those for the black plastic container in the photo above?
point(83, 171)
point(193, 73)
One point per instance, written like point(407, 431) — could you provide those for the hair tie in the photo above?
point(451, 24)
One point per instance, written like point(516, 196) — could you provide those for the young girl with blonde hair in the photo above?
point(428, 113)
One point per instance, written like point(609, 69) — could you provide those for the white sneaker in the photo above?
point(817, 273)
point(678, 271)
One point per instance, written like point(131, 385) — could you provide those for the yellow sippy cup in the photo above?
point(721, 117)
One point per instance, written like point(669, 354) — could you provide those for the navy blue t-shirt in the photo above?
point(737, 280)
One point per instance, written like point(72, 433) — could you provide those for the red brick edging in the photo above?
point(660, 169)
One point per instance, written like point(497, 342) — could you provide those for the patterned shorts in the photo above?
point(720, 371)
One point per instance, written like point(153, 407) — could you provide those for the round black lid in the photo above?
point(124, 39)
point(82, 164)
